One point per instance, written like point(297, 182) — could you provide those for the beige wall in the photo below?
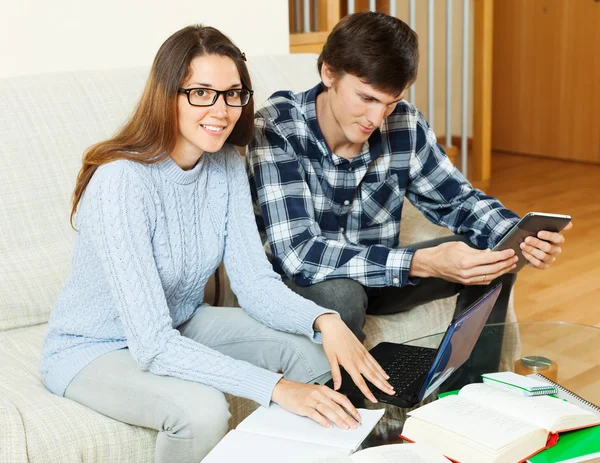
point(39, 36)
point(440, 63)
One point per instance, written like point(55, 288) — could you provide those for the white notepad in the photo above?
point(278, 436)
point(565, 394)
point(241, 446)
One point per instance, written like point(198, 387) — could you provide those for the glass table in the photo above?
point(569, 353)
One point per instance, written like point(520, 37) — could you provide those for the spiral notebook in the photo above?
point(569, 396)
point(526, 385)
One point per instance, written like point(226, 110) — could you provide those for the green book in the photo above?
point(571, 446)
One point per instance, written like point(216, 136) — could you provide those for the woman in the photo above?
point(158, 206)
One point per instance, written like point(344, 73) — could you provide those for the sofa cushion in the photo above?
point(46, 122)
point(55, 429)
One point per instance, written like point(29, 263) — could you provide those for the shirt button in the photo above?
point(351, 169)
point(396, 280)
point(341, 229)
point(346, 202)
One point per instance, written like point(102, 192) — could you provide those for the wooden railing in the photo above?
point(328, 13)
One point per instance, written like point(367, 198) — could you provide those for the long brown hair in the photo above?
point(150, 134)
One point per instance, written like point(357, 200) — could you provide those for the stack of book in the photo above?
point(484, 424)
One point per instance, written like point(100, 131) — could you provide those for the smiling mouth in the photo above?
point(212, 128)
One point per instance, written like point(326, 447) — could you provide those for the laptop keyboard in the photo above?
point(408, 366)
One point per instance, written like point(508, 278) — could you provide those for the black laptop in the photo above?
point(415, 372)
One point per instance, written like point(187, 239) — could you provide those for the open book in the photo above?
point(405, 453)
point(278, 436)
point(485, 424)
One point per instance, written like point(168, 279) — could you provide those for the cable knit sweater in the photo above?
point(149, 238)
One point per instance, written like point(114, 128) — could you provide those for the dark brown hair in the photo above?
point(377, 48)
point(151, 132)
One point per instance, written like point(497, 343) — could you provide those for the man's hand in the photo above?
point(343, 348)
point(456, 261)
point(540, 252)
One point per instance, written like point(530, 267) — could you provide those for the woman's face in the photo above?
point(205, 128)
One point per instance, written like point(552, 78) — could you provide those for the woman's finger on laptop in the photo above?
point(376, 379)
point(378, 367)
point(360, 383)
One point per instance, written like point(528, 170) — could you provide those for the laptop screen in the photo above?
point(459, 341)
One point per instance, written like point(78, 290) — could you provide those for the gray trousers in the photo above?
point(191, 417)
point(354, 301)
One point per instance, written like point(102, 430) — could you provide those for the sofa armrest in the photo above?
point(13, 446)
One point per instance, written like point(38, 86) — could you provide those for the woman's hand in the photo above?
point(343, 348)
point(319, 403)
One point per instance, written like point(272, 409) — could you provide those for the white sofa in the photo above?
point(46, 122)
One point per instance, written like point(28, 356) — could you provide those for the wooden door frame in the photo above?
point(483, 36)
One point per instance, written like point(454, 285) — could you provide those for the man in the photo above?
point(329, 170)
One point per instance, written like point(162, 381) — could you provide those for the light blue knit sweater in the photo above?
point(149, 238)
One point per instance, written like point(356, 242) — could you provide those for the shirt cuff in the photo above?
point(397, 267)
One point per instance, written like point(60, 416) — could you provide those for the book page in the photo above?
point(277, 422)
point(543, 411)
point(482, 425)
point(240, 446)
point(405, 453)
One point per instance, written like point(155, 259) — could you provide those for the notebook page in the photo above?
point(570, 396)
point(543, 411)
point(240, 446)
point(277, 422)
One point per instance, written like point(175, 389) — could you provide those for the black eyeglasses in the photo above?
point(235, 97)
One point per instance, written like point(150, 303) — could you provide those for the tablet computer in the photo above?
point(530, 225)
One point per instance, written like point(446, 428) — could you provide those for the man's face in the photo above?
point(357, 107)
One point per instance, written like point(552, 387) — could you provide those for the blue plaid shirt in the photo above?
point(326, 217)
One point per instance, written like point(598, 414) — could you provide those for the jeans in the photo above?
point(191, 417)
